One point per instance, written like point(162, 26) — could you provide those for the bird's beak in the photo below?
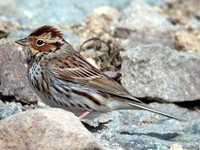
point(22, 42)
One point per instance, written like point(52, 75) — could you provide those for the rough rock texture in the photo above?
point(45, 129)
point(102, 51)
point(61, 12)
point(142, 130)
point(13, 73)
point(140, 23)
point(161, 73)
point(97, 24)
point(187, 41)
point(139, 16)
point(9, 109)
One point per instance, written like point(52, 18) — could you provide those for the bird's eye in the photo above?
point(40, 42)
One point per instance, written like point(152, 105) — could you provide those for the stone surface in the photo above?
point(53, 12)
point(97, 24)
point(140, 23)
point(161, 73)
point(9, 109)
point(13, 73)
point(18, 17)
point(45, 129)
point(187, 41)
point(139, 16)
point(141, 130)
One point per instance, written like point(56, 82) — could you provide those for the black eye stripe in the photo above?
point(40, 42)
point(57, 44)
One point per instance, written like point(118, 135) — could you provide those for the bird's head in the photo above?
point(44, 39)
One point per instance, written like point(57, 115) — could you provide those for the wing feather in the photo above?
point(76, 69)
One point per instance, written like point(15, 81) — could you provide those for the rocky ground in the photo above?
point(151, 47)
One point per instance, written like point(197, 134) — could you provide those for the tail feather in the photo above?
point(146, 107)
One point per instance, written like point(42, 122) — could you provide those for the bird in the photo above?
point(63, 78)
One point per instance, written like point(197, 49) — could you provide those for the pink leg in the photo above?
point(84, 114)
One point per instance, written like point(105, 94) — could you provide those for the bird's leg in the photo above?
point(84, 114)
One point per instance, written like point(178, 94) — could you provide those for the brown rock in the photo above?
point(97, 23)
point(13, 73)
point(45, 129)
point(187, 41)
point(99, 45)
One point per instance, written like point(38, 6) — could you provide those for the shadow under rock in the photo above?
point(92, 128)
point(6, 97)
point(165, 136)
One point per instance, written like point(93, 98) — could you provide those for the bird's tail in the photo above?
point(146, 107)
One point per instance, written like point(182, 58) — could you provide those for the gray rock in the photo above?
point(161, 73)
point(139, 16)
point(39, 12)
point(45, 129)
point(13, 73)
point(142, 25)
point(9, 109)
point(139, 130)
point(158, 3)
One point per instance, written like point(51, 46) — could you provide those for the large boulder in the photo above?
point(45, 129)
point(161, 73)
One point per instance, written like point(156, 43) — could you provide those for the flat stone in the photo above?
point(139, 130)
